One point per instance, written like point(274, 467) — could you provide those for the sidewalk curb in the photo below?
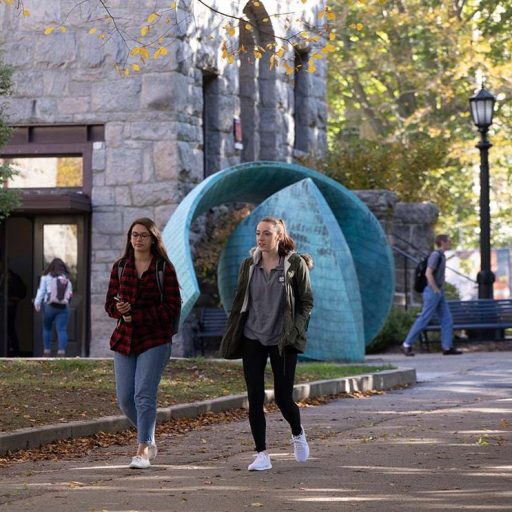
point(27, 438)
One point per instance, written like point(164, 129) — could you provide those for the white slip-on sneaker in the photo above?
point(139, 462)
point(261, 462)
point(152, 451)
point(300, 447)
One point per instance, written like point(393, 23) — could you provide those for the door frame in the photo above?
point(79, 306)
point(3, 290)
point(59, 141)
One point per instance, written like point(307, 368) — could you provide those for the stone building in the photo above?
point(97, 149)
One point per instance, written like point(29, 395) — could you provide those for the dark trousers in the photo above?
point(255, 357)
point(13, 344)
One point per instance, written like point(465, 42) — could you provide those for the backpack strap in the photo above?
point(120, 270)
point(160, 272)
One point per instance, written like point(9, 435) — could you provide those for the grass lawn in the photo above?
point(41, 392)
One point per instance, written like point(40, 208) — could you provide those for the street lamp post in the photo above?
point(482, 107)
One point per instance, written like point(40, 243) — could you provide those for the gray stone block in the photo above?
point(153, 194)
point(123, 166)
point(60, 50)
point(416, 213)
point(108, 222)
point(166, 92)
point(120, 95)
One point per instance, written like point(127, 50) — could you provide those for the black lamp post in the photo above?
point(482, 106)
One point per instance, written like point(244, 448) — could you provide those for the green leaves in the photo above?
point(9, 199)
point(403, 74)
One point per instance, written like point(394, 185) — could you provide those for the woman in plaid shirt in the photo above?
point(146, 320)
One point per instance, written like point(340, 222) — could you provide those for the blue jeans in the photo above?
point(137, 380)
point(60, 316)
point(433, 303)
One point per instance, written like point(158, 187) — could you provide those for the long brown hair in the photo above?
point(56, 267)
point(157, 246)
point(287, 244)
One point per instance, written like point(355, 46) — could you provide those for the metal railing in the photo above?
point(408, 257)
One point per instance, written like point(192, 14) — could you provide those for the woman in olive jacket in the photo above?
point(269, 318)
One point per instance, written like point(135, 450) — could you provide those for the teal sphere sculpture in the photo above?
point(336, 327)
point(255, 182)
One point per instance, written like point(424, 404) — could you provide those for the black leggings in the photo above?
point(283, 367)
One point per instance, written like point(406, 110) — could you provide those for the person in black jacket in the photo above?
point(16, 292)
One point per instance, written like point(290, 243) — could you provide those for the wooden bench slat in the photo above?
point(212, 322)
point(492, 314)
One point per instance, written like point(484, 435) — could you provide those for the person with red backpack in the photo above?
point(55, 291)
point(144, 298)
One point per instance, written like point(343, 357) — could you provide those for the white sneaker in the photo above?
point(139, 462)
point(152, 451)
point(261, 462)
point(300, 447)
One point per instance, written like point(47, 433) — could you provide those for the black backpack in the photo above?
point(420, 279)
point(160, 269)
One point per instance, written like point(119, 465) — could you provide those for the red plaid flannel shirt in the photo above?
point(152, 320)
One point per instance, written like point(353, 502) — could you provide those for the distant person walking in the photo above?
point(54, 293)
point(434, 301)
point(269, 318)
point(144, 297)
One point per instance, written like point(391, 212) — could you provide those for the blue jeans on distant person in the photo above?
point(60, 316)
point(137, 380)
point(433, 303)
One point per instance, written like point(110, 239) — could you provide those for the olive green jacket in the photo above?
point(298, 306)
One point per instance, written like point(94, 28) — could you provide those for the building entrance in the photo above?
point(28, 244)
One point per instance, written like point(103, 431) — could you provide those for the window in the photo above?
point(61, 241)
point(52, 159)
point(46, 172)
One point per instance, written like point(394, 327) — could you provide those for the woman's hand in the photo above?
point(123, 307)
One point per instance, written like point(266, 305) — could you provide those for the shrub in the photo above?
point(394, 331)
point(451, 292)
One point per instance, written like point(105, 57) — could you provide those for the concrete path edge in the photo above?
point(27, 438)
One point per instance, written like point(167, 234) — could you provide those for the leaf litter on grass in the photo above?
point(34, 393)
point(74, 448)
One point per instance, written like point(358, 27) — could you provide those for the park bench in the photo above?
point(489, 316)
point(211, 324)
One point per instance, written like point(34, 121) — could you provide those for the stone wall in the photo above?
point(153, 152)
point(410, 230)
point(413, 233)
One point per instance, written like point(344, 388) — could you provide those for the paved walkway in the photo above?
point(444, 444)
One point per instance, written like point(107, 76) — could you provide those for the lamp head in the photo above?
point(482, 108)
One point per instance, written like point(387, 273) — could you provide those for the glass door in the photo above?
point(63, 237)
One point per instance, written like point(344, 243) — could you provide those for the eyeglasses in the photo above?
point(142, 236)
